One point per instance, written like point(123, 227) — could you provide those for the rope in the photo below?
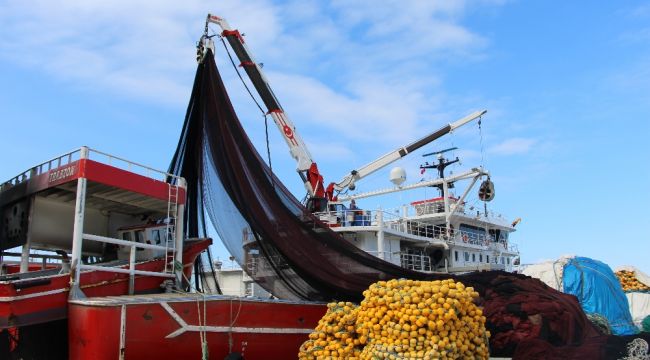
point(266, 127)
point(240, 77)
point(601, 323)
point(637, 349)
point(202, 333)
point(480, 131)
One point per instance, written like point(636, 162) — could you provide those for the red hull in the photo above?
point(43, 299)
point(166, 326)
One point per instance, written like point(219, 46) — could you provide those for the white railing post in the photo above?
point(180, 231)
point(77, 234)
point(380, 234)
point(24, 258)
point(132, 269)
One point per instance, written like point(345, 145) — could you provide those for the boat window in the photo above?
point(155, 236)
point(502, 261)
point(487, 258)
point(127, 235)
point(503, 236)
point(139, 234)
point(480, 258)
point(508, 261)
point(466, 256)
point(474, 232)
point(473, 257)
point(455, 255)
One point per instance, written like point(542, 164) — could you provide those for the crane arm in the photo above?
point(348, 182)
point(306, 167)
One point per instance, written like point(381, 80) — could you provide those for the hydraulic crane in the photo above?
point(306, 166)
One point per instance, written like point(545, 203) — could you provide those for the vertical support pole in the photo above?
point(122, 331)
point(180, 231)
point(132, 269)
point(445, 199)
point(78, 230)
point(24, 258)
point(380, 234)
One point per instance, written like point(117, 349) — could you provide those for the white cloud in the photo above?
point(513, 146)
point(356, 68)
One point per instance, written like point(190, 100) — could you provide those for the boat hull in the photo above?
point(43, 299)
point(171, 326)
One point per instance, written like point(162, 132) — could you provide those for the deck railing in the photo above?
point(394, 222)
point(93, 154)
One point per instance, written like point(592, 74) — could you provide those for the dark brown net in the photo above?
point(280, 244)
point(290, 253)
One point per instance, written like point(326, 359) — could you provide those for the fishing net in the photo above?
point(276, 240)
point(293, 255)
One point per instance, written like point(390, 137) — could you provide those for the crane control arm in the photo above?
point(348, 182)
point(307, 168)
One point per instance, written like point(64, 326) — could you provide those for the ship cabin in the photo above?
point(86, 206)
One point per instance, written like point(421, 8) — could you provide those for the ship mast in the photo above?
point(440, 166)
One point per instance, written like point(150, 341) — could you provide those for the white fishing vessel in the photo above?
point(437, 234)
point(440, 234)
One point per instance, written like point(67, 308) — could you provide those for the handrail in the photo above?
point(124, 242)
point(68, 157)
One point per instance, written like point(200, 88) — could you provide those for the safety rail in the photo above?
point(416, 262)
point(43, 167)
point(75, 155)
point(134, 167)
point(131, 271)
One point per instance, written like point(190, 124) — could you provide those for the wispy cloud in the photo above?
point(357, 68)
point(513, 146)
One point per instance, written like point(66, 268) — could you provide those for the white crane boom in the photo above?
point(348, 182)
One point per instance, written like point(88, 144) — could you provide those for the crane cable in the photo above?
point(266, 123)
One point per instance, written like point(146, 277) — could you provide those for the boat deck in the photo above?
point(180, 297)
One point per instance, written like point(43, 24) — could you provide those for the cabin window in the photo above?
point(474, 232)
point(473, 257)
point(127, 235)
point(480, 258)
point(487, 259)
point(456, 256)
point(503, 261)
point(466, 256)
point(139, 235)
point(508, 261)
point(155, 236)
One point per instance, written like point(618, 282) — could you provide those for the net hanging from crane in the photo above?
point(290, 253)
point(274, 238)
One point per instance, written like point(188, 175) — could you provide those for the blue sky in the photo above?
point(566, 85)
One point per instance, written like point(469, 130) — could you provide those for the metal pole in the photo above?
point(380, 234)
point(131, 269)
point(77, 233)
point(180, 231)
point(24, 258)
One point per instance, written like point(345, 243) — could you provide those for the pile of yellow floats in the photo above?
point(629, 282)
point(403, 319)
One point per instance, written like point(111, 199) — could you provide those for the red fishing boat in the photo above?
point(100, 226)
point(189, 326)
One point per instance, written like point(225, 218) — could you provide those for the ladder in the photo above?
point(170, 230)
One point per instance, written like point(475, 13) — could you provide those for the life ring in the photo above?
point(465, 238)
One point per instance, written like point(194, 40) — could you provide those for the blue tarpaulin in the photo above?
point(599, 292)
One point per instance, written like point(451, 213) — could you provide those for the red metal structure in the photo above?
point(180, 326)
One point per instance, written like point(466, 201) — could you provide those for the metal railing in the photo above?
point(394, 222)
point(43, 167)
point(95, 155)
point(167, 271)
point(417, 262)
